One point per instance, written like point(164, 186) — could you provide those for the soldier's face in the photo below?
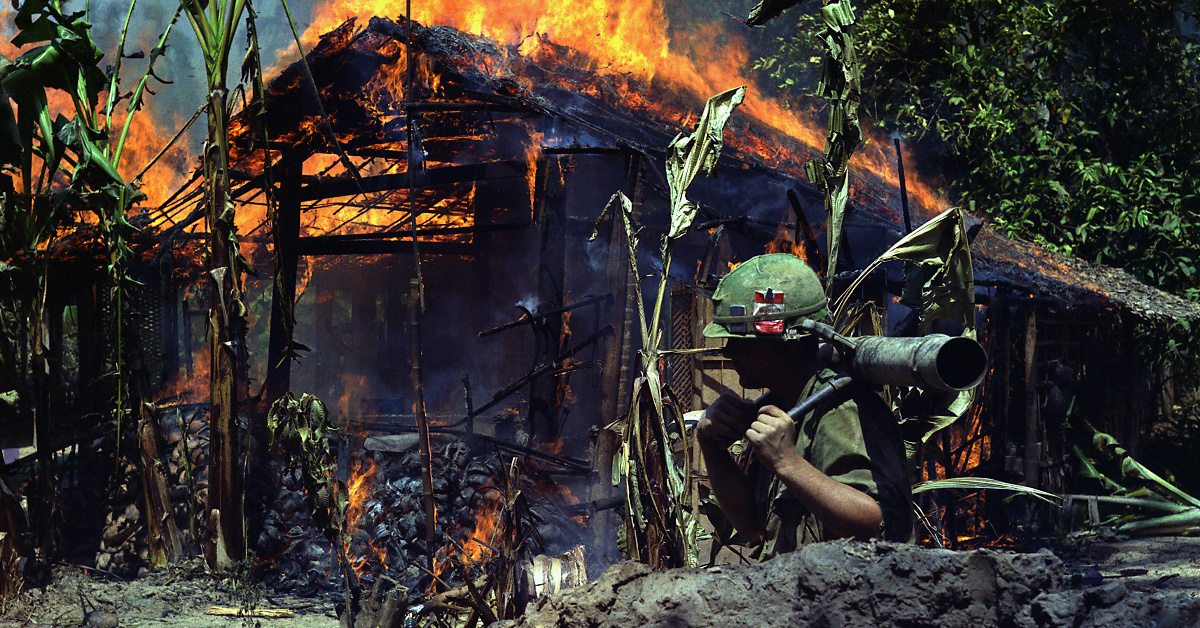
point(770, 362)
point(754, 359)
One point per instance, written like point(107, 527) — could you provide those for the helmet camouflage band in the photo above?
point(767, 296)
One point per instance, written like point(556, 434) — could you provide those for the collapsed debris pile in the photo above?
point(106, 502)
point(387, 526)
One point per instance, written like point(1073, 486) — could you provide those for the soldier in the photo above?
point(837, 472)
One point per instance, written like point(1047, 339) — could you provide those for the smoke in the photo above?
point(529, 302)
point(182, 64)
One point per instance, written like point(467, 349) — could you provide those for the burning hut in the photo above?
point(503, 155)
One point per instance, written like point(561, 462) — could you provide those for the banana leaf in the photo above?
point(10, 136)
point(1088, 470)
point(939, 280)
point(1131, 468)
point(766, 10)
point(1177, 523)
point(697, 153)
point(839, 84)
point(1150, 491)
point(985, 483)
point(1155, 504)
point(939, 283)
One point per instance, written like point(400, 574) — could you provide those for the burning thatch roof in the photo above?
point(458, 107)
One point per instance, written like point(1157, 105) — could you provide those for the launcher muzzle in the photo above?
point(933, 362)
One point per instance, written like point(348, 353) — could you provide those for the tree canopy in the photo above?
point(1073, 124)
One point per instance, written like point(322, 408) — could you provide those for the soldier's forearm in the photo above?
point(842, 509)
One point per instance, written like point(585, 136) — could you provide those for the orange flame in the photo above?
point(354, 387)
point(784, 242)
point(192, 384)
point(362, 481)
point(359, 488)
point(626, 38)
point(487, 522)
point(479, 546)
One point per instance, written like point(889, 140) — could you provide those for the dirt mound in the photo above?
point(862, 584)
point(1140, 582)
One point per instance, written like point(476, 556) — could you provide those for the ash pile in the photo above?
point(472, 479)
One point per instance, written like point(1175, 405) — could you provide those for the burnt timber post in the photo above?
point(615, 370)
point(1032, 429)
point(262, 488)
point(614, 376)
point(283, 294)
point(552, 220)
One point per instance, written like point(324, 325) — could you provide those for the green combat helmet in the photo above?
point(767, 296)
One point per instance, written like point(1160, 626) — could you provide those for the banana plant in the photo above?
point(62, 165)
point(1150, 504)
point(839, 83)
point(215, 23)
point(660, 528)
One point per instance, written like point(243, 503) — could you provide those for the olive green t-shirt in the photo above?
point(856, 442)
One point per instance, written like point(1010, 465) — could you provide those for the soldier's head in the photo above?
point(759, 307)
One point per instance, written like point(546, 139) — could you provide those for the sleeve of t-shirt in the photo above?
point(838, 449)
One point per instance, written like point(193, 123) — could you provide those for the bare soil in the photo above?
point(180, 596)
point(1147, 582)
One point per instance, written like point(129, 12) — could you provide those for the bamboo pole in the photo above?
point(1032, 431)
point(422, 425)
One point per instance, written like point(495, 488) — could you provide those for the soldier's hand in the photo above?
point(773, 434)
point(726, 420)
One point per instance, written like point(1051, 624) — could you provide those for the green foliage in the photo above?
point(301, 430)
point(1141, 494)
point(247, 591)
point(1076, 125)
point(78, 164)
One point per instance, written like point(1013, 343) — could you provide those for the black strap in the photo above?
point(769, 316)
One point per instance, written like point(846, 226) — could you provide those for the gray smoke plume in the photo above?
point(182, 63)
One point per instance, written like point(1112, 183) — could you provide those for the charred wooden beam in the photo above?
point(286, 238)
point(1033, 445)
point(988, 300)
point(455, 107)
point(527, 319)
point(542, 369)
point(543, 410)
point(903, 187)
point(566, 464)
point(468, 403)
point(427, 231)
point(422, 422)
point(576, 149)
point(333, 187)
point(331, 245)
point(802, 227)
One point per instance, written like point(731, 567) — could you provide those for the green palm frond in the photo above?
point(986, 483)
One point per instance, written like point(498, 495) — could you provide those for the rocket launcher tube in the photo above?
point(933, 362)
